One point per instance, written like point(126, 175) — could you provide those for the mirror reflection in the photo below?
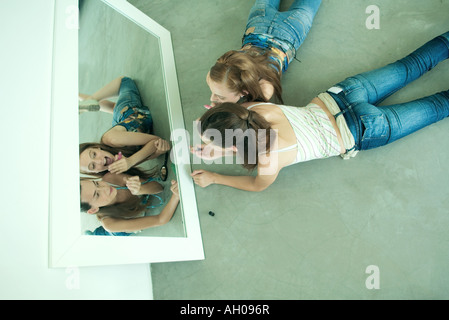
point(126, 181)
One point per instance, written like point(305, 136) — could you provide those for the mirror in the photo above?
point(126, 36)
point(111, 45)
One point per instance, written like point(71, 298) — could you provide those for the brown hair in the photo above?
point(241, 71)
point(249, 129)
point(128, 209)
point(127, 151)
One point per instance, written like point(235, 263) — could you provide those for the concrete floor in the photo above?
point(316, 230)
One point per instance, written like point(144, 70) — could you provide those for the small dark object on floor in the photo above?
point(211, 213)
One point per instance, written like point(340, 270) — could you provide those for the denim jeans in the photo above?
point(292, 25)
point(373, 126)
point(129, 111)
point(128, 96)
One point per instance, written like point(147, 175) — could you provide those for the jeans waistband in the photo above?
point(348, 113)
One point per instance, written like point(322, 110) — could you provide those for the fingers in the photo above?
point(162, 145)
point(174, 188)
point(198, 147)
point(201, 178)
point(132, 180)
point(197, 172)
point(133, 184)
point(206, 151)
point(119, 166)
point(115, 169)
point(197, 150)
point(118, 156)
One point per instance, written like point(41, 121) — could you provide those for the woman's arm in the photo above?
point(258, 183)
point(153, 146)
point(202, 151)
point(135, 186)
point(136, 224)
point(267, 171)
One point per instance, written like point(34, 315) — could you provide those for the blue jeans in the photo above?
point(292, 25)
point(128, 96)
point(129, 111)
point(374, 126)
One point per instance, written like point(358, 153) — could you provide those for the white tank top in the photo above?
point(316, 137)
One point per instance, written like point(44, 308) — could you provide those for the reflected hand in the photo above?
point(174, 188)
point(119, 165)
point(203, 152)
point(133, 184)
point(162, 146)
point(203, 178)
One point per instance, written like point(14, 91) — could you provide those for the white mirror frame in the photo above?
point(67, 246)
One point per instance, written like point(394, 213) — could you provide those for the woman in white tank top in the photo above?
point(341, 121)
point(263, 136)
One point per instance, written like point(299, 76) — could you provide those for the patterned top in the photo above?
point(283, 51)
point(136, 119)
point(145, 198)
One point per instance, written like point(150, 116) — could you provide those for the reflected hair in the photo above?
point(131, 208)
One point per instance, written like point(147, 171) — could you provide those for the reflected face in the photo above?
point(95, 160)
point(97, 193)
point(221, 93)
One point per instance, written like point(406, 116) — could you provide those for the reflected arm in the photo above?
point(119, 137)
point(136, 224)
point(130, 225)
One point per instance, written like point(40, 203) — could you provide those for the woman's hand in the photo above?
point(133, 184)
point(120, 164)
point(162, 146)
point(203, 178)
point(205, 152)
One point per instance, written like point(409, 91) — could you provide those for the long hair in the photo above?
point(239, 127)
point(127, 151)
point(242, 70)
point(131, 208)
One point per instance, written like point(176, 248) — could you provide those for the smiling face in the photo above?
point(94, 160)
point(97, 194)
point(220, 93)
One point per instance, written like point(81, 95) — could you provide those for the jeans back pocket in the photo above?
point(375, 130)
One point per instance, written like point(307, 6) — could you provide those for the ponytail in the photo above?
point(239, 127)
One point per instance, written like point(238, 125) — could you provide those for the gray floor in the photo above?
point(314, 232)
